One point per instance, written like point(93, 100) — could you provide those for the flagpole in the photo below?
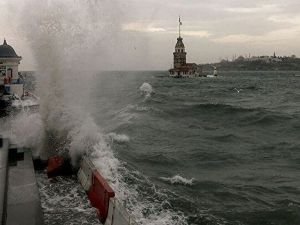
point(179, 25)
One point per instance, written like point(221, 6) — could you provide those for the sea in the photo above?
point(205, 151)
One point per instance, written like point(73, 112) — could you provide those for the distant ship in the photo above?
point(180, 68)
point(11, 81)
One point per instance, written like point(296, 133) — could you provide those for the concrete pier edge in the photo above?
point(19, 196)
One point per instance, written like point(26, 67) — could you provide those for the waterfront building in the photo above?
point(10, 81)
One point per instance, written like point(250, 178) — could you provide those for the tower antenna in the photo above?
point(180, 23)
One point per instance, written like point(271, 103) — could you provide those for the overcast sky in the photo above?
point(141, 34)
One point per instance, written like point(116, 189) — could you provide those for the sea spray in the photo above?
point(177, 179)
point(65, 40)
point(63, 36)
point(146, 89)
point(27, 130)
point(70, 39)
point(120, 138)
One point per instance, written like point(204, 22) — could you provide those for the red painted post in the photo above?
point(99, 195)
point(55, 165)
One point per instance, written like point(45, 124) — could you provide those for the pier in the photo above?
point(20, 201)
point(19, 196)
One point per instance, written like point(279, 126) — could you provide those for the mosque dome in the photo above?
point(6, 51)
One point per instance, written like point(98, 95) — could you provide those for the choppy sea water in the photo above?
point(203, 151)
point(64, 201)
point(215, 151)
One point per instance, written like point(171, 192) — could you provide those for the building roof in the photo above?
point(191, 64)
point(6, 51)
point(179, 43)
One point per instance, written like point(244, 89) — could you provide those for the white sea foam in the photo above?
point(142, 108)
point(120, 138)
point(65, 199)
point(155, 210)
point(105, 161)
point(24, 103)
point(146, 89)
point(177, 179)
point(164, 218)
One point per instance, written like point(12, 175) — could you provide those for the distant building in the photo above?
point(180, 67)
point(9, 62)
point(265, 59)
point(9, 79)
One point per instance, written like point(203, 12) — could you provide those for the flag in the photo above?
point(180, 23)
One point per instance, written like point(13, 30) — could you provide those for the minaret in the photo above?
point(179, 54)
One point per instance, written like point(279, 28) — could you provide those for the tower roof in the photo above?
point(179, 43)
point(6, 51)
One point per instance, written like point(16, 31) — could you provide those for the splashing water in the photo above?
point(68, 42)
point(18, 102)
point(25, 129)
point(24, 103)
point(177, 179)
point(120, 138)
point(64, 36)
point(147, 89)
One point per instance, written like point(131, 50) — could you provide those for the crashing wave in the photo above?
point(120, 138)
point(147, 89)
point(177, 179)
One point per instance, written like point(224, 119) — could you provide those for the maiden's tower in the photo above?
point(181, 68)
